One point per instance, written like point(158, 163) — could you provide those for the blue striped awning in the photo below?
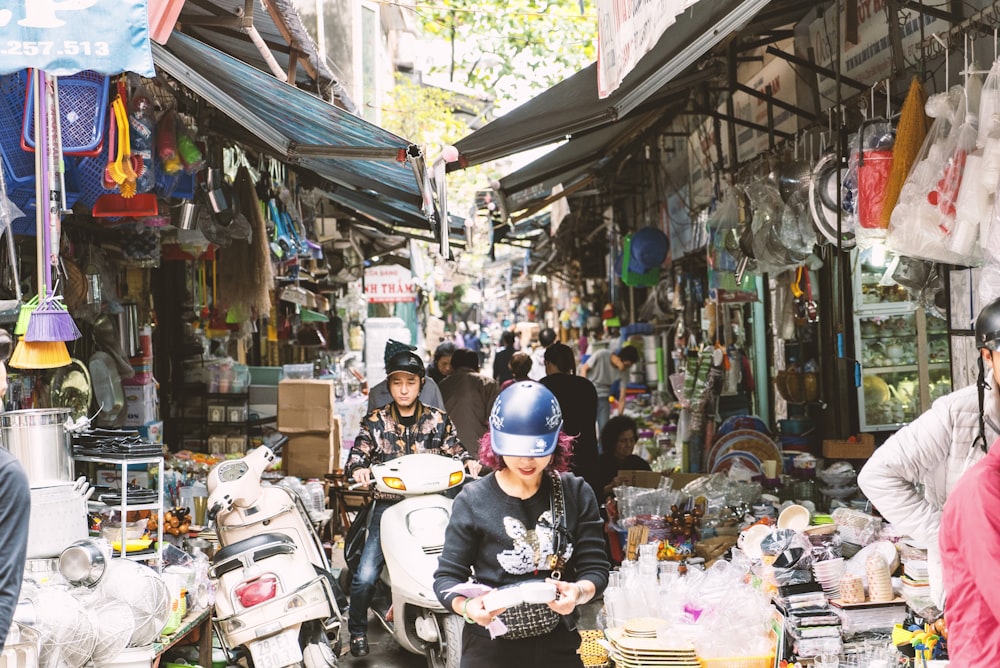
point(364, 162)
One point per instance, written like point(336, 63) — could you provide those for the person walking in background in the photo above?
point(15, 511)
point(405, 426)
point(520, 366)
point(603, 368)
point(578, 399)
point(546, 338)
point(440, 366)
point(379, 395)
point(501, 361)
point(504, 531)
point(468, 396)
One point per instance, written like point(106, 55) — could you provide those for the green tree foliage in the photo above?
point(513, 47)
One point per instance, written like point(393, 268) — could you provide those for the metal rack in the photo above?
point(124, 507)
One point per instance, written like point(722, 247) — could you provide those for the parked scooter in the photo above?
point(412, 534)
point(275, 601)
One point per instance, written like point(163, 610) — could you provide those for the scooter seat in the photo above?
point(262, 545)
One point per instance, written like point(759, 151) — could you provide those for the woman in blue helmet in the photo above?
point(502, 530)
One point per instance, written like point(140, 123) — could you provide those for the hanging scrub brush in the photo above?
point(51, 321)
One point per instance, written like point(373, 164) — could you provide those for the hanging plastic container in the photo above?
point(874, 168)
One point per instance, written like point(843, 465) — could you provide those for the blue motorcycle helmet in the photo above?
point(525, 421)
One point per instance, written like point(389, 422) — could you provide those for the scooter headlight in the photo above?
point(394, 483)
point(427, 521)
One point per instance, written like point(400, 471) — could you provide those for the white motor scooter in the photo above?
point(412, 533)
point(275, 596)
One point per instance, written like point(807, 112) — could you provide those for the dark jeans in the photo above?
point(364, 581)
point(552, 650)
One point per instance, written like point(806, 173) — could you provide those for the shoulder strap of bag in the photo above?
point(557, 508)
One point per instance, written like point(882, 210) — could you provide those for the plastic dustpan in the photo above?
point(308, 315)
point(115, 206)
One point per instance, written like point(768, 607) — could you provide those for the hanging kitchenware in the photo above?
point(824, 201)
point(71, 389)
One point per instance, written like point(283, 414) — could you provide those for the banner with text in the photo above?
point(62, 38)
point(389, 283)
point(627, 30)
point(870, 60)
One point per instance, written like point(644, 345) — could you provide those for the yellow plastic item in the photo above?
point(133, 545)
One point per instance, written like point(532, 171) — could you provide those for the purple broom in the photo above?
point(50, 321)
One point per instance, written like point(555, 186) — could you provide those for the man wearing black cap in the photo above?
point(379, 395)
point(404, 426)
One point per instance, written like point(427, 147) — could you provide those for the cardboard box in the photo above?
point(305, 405)
point(142, 405)
point(862, 447)
point(649, 479)
point(312, 455)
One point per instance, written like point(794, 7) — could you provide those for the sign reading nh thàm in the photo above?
point(389, 283)
point(65, 37)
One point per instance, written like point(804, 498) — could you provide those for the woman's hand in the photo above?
point(472, 608)
point(363, 476)
point(570, 595)
point(473, 467)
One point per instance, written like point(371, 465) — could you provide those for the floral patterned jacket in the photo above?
point(383, 437)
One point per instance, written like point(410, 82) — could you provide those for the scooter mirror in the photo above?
point(275, 442)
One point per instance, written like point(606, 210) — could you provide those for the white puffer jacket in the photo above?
point(910, 475)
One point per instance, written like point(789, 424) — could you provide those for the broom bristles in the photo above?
point(51, 322)
point(25, 316)
point(39, 355)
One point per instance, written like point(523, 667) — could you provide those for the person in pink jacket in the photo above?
point(970, 553)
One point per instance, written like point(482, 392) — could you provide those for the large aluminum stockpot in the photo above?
point(40, 441)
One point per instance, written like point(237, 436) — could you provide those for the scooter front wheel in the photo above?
point(447, 651)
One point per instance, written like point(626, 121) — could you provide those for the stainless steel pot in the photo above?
point(83, 563)
point(40, 441)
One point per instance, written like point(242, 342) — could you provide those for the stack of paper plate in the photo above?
point(645, 649)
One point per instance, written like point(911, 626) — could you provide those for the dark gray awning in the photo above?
point(573, 106)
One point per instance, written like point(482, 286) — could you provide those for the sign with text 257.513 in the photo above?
point(64, 37)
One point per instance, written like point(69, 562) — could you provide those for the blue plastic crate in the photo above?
point(83, 114)
point(91, 171)
point(19, 165)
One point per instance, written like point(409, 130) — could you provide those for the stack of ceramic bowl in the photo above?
point(879, 580)
point(852, 590)
point(828, 574)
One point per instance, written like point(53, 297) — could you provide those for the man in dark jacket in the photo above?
point(15, 511)
point(501, 361)
point(578, 401)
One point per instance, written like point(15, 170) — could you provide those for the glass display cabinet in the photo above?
point(902, 350)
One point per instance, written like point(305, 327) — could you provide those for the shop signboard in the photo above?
point(389, 283)
point(62, 38)
point(626, 31)
point(870, 59)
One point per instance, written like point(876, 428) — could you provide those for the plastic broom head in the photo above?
point(51, 322)
point(39, 355)
point(25, 315)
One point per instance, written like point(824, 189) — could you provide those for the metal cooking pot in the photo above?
point(39, 439)
point(83, 563)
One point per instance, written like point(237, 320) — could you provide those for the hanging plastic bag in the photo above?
point(923, 222)
point(911, 132)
